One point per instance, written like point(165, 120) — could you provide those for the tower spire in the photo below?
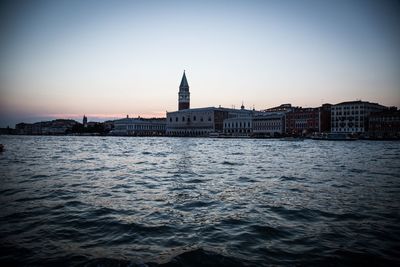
point(184, 95)
point(184, 84)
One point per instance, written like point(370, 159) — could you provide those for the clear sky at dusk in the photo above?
point(111, 58)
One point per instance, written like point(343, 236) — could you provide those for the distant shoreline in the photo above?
point(282, 138)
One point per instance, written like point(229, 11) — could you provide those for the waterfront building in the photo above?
point(384, 124)
point(239, 123)
point(352, 116)
point(201, 121)
point(7, 130)
point(23, 128)
point(269, 124)
point(302, 121)
point(139, 127)
point(108, 125)
point(59, 126)
point(54, 127)
point(84, 121)
point(305, 121)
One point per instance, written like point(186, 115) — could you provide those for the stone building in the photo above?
point(139, 127)
point(353, 116)
point(269, 124)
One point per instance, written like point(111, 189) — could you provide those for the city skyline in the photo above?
point(65, 59)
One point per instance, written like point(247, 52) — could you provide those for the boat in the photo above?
point(334, 137)
point(292, 138)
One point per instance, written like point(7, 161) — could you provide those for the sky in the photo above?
point(107, 59)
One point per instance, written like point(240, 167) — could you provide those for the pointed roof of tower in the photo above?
point(184, 83)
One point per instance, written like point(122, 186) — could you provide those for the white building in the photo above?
point(352, 116)
point(239, 126)
point(200, 121)
point(139, 126)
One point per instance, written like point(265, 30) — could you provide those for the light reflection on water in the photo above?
point(258, 202)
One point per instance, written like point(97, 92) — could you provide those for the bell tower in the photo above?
point(183, 95)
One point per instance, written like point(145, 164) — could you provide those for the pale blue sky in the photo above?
point(109, 58)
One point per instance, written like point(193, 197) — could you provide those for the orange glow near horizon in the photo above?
point(103, 116)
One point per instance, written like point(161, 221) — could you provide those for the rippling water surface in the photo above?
point(193, 202)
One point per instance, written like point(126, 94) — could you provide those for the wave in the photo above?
point(194, 258)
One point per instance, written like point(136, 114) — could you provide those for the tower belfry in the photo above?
point(184, 94)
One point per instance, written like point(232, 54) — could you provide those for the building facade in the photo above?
point(302, 121)
point(239, 123)
point(385, 124)
point(139, 127)
point(305, 121)
point(54, 127)
point(269, 124)
point(353, 116)
point(200, 121)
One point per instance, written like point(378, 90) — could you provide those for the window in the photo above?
point(194, 118)
point(209, 118)
point(176, 119)
point(183, 118)
point(170, 119)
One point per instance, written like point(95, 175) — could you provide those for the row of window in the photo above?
point(269, 123)
point(303, 117)
point(350, 124)
point(188, 119)
point(340, 113)
point(237, 124)
point(384, 119)
point(188, 132)
point(303, 125)
point(271, 128)
point(237, 131)
point(347, 130)
point(347, 107)
point(347, 118)
point(145, 127)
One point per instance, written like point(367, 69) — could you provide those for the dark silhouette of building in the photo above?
point(385, 124)
point(183, 95)
point(84, 121)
